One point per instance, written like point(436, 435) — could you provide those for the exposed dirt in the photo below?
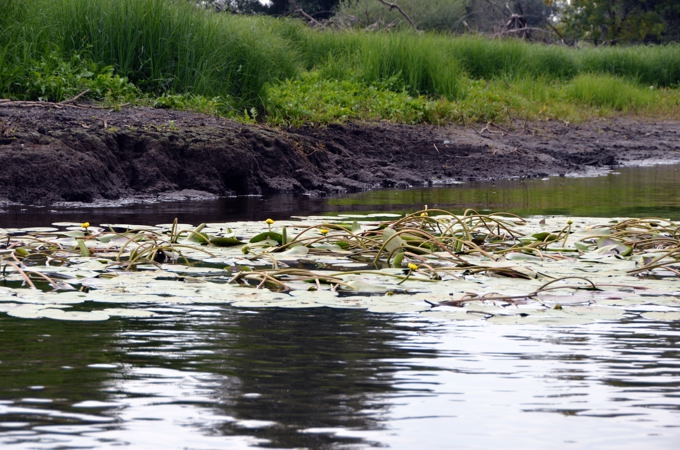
point(57, 153)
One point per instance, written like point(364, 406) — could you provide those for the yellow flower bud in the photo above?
point(412, 267)
point(85, 225)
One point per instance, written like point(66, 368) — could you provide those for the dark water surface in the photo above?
point(215, 377)
point(202, 376)
point(627, 192)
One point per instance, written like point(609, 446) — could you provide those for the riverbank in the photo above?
point(56, 153)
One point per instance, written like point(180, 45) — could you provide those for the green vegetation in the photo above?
point(171, 54)
point(553, 268)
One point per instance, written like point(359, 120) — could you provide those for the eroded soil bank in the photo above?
point(60, 153)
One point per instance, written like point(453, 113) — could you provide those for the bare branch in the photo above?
point(401, 11)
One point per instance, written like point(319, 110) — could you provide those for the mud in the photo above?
point(51, 154)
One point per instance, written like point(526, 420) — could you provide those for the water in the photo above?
point(628, 192)
point(214, 377)
point(200, 376)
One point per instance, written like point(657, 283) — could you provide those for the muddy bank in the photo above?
point(57, 153)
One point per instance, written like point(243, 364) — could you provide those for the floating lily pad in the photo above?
point(127, 312)
point(498, 278)
point(277, 238)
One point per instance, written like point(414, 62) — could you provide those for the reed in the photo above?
point(484, 58)
point(607, 91)
point(416, 61)
point(649, 65)
point(164, 45)
point(182, 56)
point(410, 62)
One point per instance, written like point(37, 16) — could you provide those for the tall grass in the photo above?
point(417, 64)
point(165, 45)
point(20, 43)
point(607, 91)
point(160, 45)
point(650, 65)
point(172, 49)
point(484, 58)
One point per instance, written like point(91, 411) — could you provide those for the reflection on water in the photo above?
point(215, 377)
point(208, 377)
point(628, 192)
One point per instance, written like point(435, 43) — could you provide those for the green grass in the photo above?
point(169, 53)
point(607, 91)
point(657, 66)
point(162, 45)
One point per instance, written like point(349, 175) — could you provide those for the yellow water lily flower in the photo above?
point(269, 221)
point(85, 225)
point(412, 267)
point(323, 231)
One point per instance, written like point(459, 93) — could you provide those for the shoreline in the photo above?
point(59, 154)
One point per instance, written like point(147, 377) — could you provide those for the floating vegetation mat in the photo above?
point(495, 267)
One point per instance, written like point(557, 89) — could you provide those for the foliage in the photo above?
point(492, 16)
point(414, 262)
point(418, 62)
point(52, 78)
point(648, 65)
point(439, 15)
point(172, 54)
point(485, 58)
point(315, 99)
point(320, 9)
point(164, 46)
point(622, 21)
point(609, 92)
point(198, 103)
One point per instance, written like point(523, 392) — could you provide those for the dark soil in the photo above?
point(58, 153)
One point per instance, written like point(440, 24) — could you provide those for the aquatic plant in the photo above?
point(468, 265)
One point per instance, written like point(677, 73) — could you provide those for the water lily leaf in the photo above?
point(4, 307)
point(583, 247)
point(295, 252)
point(392, 240)
point(662, 316)
point(398, 259)
point(126, 227)
point(86, 316)
point(608, 246)
point(470, 280)
point(225, 241)
point(128, 312)
point(31, 311)
point(40, 229)
point(360, 286)
point(545, 236)
point(267, 235)
point(22, 252)
point(198, 237)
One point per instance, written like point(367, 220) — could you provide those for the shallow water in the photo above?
point(627, 192)
point(201, 376)
point(216, 377)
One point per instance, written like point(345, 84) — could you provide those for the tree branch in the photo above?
point(401, 11)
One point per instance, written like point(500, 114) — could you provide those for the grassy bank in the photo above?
point(171, 54)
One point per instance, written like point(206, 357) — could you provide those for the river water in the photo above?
point(627, 192)
point(205, 376)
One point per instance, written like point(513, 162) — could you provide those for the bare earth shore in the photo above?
point(51, 153)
